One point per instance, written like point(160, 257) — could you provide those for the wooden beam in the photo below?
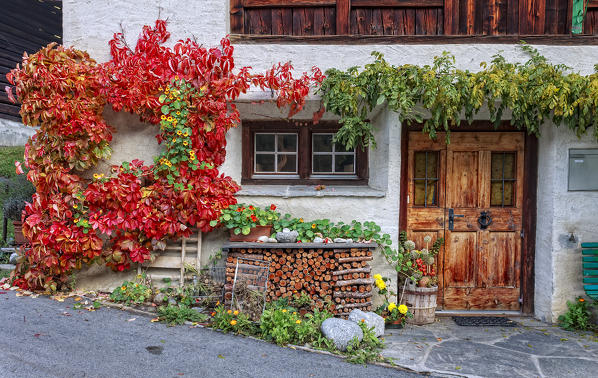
point(287, 3)
point(343, 13)
point(237, 20)
point(528, 250)
point(559, 40)
point(398, 3)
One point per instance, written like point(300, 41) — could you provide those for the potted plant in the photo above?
point(418, 269)
point(19, 193)
point(248, 222)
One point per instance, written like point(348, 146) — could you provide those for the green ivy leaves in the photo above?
point(440, 95)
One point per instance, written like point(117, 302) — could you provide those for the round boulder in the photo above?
point(371, 319)
point(341, 332)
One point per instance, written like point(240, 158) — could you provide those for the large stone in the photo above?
point(13, 258)
point(371, 319)
point(341, 332)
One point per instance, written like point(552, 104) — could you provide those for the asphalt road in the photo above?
point(40, 337)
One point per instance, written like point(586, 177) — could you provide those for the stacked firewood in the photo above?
point(338, 276)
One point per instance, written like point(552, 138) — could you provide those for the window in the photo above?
point(502, 179)
point(425, 178)
point(298, 152)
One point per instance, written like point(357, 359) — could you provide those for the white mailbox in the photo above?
point(583, 169)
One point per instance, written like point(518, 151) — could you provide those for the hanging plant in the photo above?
point(440, 95)
point(119, 218)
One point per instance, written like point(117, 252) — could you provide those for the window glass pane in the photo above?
point(264, 142)
point(509, 166)
point(496, 173)
point(322, 164)
point(339, 147)
point(287, 163)
point(344, 164)
point(423, 159)
point(264, 162)
point(425, 195)
point(496, 193)
point(322, 142)
point(287, 143)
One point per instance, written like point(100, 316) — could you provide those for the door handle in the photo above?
point(451, 218)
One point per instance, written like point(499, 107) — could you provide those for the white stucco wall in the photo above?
point(89, 24)
point(14, 133)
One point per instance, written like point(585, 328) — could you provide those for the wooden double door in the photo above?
point(470, 191)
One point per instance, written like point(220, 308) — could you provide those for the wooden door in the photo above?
point(477, 180)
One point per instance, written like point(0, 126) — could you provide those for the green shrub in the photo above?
point(131, 292)
point(177, 315)
point(232, 321)
point(286, 326)
point(577, 316)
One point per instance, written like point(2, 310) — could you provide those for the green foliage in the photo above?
point(232, 321)
point(287, 326)
point(131, 292)
point(177, 315)
point(440, 95)
point(577, 316)
point(368, 350)
point(8, 156)
point(241, 217)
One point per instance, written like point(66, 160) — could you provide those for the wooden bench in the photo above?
point(589, 253)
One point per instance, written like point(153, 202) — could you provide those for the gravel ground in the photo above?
point(40, 337)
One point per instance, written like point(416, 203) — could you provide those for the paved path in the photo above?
point(40, 337)
point(533, 349)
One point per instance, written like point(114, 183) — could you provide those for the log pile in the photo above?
point(341, 276)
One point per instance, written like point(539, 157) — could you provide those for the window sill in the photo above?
point(293, 191)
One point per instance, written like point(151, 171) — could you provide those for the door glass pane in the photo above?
point(264, 162)
point(287, 143)
point(425, 178)
point(344, 164)
point(503, 179)
point(264, 142)
point(322, 142)
point(287, 163)
point(322, 164)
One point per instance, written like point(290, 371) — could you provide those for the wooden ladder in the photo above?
point(170, 263)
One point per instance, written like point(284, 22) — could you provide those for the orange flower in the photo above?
point(233, 322)
point(230, 311)
point(123, 288)
point(582, 300)
point(313, 225)
point(236, 312)
point(213, 313)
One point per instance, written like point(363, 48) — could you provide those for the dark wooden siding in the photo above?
point(25, 26)
point(407, 17)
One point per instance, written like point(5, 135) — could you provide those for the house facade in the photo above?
point(516, 246)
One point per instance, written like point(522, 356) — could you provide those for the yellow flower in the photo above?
point(217, 303)
point(298, 321)
point(75, 206)
point(169, 119)
point(186, 134)
point(170, 97)
point(236, 312)
point(161, 88)
point(178, 113)
point(381, 285)
point(185, 143)
point(392, 306)
point(377, 276)
point(163, 117)
point(179, 132)
point(76, 220)
point(403, 309)
point(233, 322)
point(313, 225)
point(176, 77)
point(284, 310)
point(230, 311)
point(294, 312)
point(123, 288)
point(96, 176)
point(192, 157)
point(300, 220)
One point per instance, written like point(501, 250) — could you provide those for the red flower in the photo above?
point(272, 207)
point(251, 207)
point(253, 218)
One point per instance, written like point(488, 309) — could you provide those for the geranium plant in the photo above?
point(119, 217)
point(241, 218)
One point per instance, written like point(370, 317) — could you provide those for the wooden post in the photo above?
point(343, 13)
point(183, 245)
point(198, 256)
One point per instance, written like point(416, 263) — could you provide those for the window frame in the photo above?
point(304, 130)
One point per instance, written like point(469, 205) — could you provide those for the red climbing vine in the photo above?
point(121, 216)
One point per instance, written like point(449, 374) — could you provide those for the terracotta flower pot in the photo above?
point(19, 237)
point(394, 324)
point(253, 235)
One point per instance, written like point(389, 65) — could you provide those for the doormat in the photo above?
point(484, 321)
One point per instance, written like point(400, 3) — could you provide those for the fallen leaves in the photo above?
point(221, 356)
point(154, 320)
